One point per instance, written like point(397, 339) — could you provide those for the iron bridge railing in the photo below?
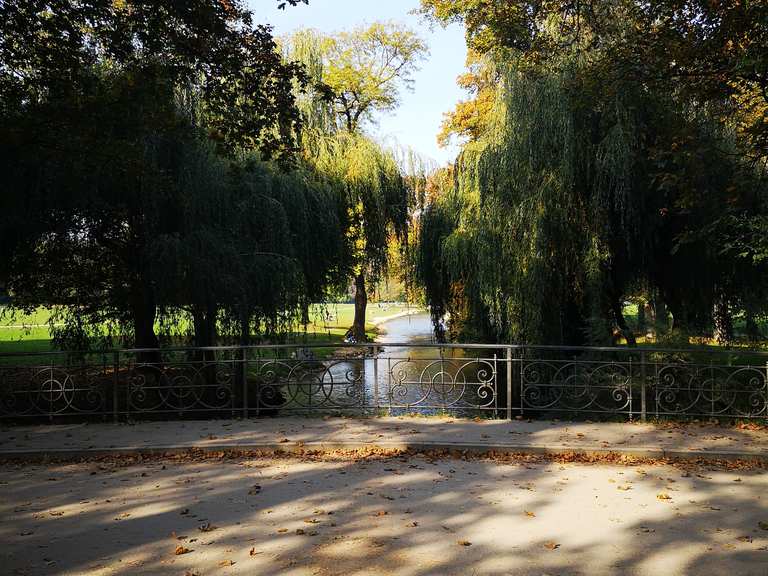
point(501, 381)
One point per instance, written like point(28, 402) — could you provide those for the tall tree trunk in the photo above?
point(204, 320)
point(245, 329)
point(361, 302)
point(721, 318)
point(144, 311)
point(660, 317)
point(641, 321)
point(751, 328)
point(621, 322)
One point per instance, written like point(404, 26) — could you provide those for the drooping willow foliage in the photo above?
point(176, 237)
point(567, 202)
point(365, 174)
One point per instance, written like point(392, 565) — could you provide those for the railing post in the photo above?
point(115, 384)
point(376, 378)
point(509, 383)
point(522, 379)
point(765, 388)
point(643, 382)
point(244, 377)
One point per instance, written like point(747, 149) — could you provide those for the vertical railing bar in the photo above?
point(389, 385)
point(309, 384)
point(522, 380)
point(631, 396)
point(711, 389)
point(765, 389)
point(643, 382)
point(115, 384)
point(244, 375)
point(508, 355)
point(376, 379)
point(442, 378)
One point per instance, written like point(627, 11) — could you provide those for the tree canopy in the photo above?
point(146, 148)
point(588, 182)
point(352, 76)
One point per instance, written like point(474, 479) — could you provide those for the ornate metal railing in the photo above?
point(467, 379)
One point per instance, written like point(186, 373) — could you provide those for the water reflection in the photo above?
point(414, 379)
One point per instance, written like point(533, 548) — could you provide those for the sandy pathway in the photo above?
point(402, 516)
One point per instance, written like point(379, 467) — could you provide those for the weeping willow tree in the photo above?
point(179, 237)
point(569, 199)
point(365, 174)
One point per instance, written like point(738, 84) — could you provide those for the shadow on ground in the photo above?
point(404, 515)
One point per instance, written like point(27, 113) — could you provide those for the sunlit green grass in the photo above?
point(329, 322)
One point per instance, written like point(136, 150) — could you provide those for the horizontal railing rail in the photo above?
point(495, 380)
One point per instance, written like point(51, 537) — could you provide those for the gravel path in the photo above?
point(402, 515)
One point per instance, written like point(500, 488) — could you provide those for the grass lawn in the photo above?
point(329, 323)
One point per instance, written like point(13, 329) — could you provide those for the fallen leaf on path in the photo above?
point(663, 496)
point(551, 545)
point(207, 527)
point(224, 563)
point(181, 550)
point(464, 543)
point(530, 514)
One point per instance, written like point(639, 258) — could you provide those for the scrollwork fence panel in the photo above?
point(467, 379)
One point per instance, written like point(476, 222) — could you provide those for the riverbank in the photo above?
point(329, 323)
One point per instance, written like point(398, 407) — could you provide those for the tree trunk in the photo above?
point(661, 321)
point(361, 302)
point(721, 318)
point(204, 320)
point(751, 328)
point(641, 322)
point(621, 322)
point(144, 311)
point(245, 329)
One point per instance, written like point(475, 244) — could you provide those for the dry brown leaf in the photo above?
point(663, 496)
point(207, 527)
point(181, 550)
point(224, 563)
point(530, 514)
point(464, 543)
point(551, 545)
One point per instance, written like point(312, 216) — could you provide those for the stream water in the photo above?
point(406, 378)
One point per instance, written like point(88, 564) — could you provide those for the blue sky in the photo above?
point(417, 121)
